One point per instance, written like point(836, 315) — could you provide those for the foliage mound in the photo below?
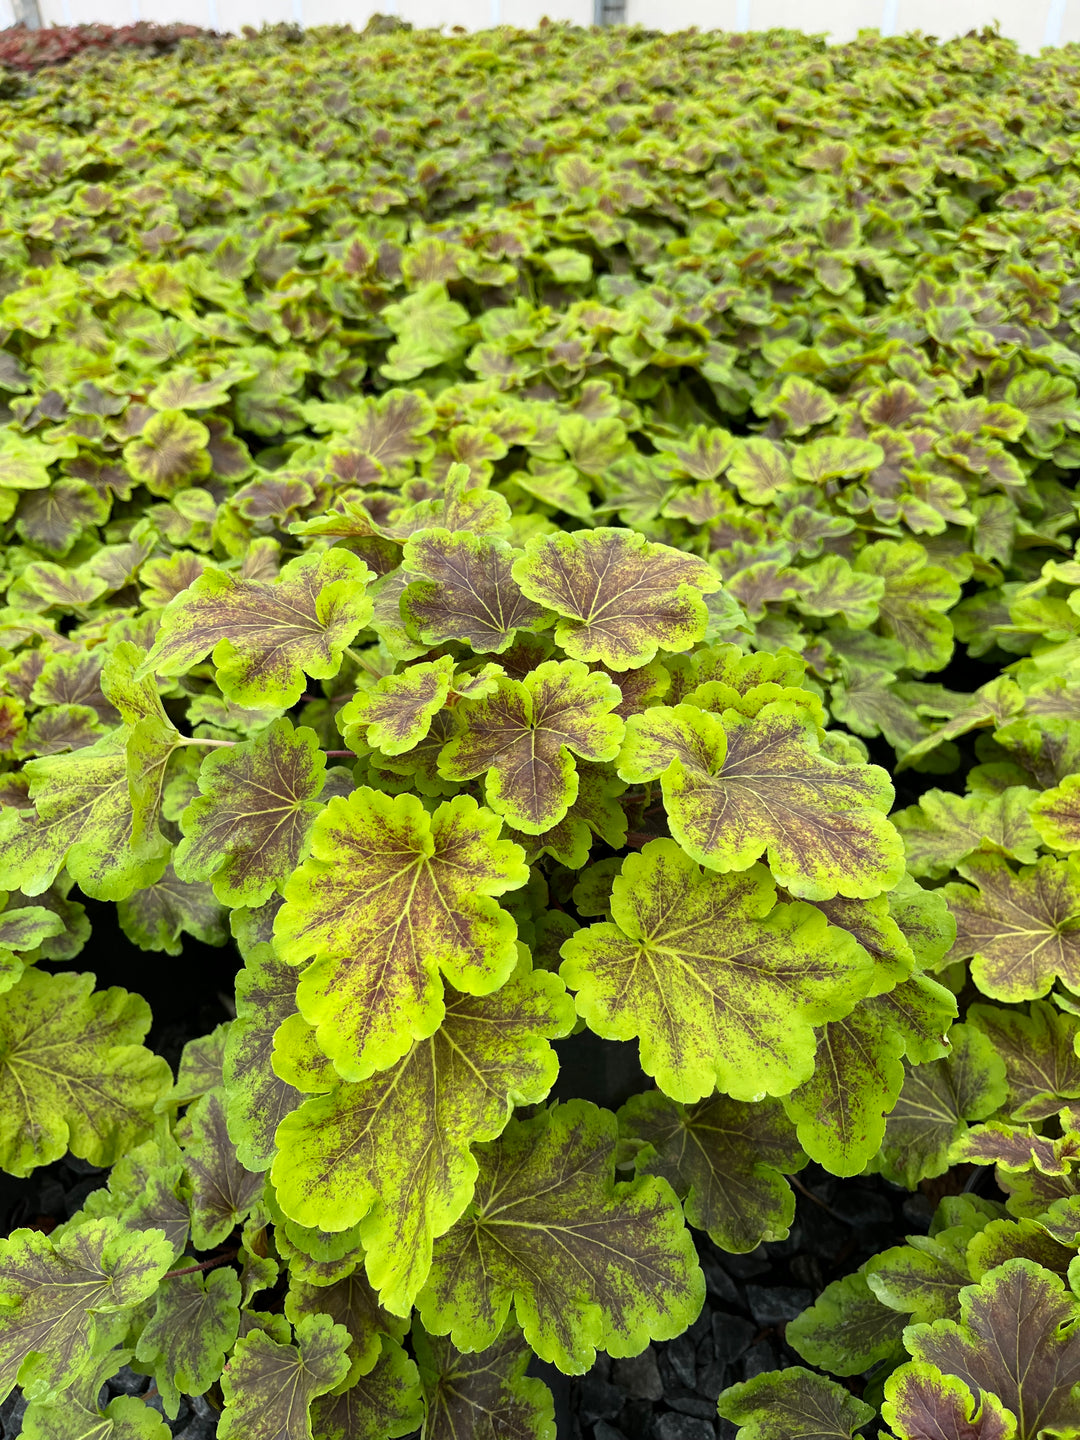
point(31, 50)
point(492, 524)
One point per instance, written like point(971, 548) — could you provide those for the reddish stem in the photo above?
point(205, 1265)
point(340, 753)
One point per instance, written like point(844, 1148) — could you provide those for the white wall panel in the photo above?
point(681, 14)
point(1032, 23)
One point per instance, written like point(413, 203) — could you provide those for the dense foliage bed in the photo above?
point(523, 536)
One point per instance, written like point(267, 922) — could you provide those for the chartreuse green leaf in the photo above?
point(523, 737)
point(144, 1191)
point(917, 595)
point(1056, 815)
point(390, 896)
point(247, 828)
point(621, 597)
point(82, 818)
point(921, 1401)
point(193, 1328)
point(315, 1257)
point(156, 917)
point(935, 1104)
point(460, 587)
point(73, 1073)
point(1020, 929)
point(793, 1404)
point(943, 829)
point(585, 1262)
point(736, 787)
point(350, 1301)
point(269, 1386)
point(256, 1099)
point(725, 1159)
point(858, 1072)
point(152, 738)
point(486, 1396)
point(847, 1329)
point(396, 714)
point(78, 1414)
point(925, 921)
point(1018, 1339)
point(1041, 1055)
point(394, 1152)
point(430, 329)
point(833, 457)
point(721, 985)
point(21, 930)
point(267, 635)
point(63, 1298)
point(924, 1277)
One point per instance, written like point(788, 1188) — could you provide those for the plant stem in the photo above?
point(199, 740)
point(340, 753)
point(205, 1265)
point(358, 659)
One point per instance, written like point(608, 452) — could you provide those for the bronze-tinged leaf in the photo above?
point(486, 1396)
point(936, 1103)
point(739, 786)
point(1041, 1054)
point(622, 598)
point(247, 829)
point(382, 1404)
point(1020, 929)
point(1018, 1338)
point(586, 1262)
point(267, 635)
point(923, 1404)
point(524, 736)
point(222, 1190)
point(725, 1159)
point(392, 899)
point(461, 588)
point(269, 1386)
point(256, 1099)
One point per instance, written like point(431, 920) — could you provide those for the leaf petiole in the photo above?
point(358, 659)
point(203, 1265)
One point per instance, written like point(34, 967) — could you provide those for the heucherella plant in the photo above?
point(522, 535)
point(972, 1330)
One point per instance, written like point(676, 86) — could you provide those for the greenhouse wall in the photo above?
point(1032, 25)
